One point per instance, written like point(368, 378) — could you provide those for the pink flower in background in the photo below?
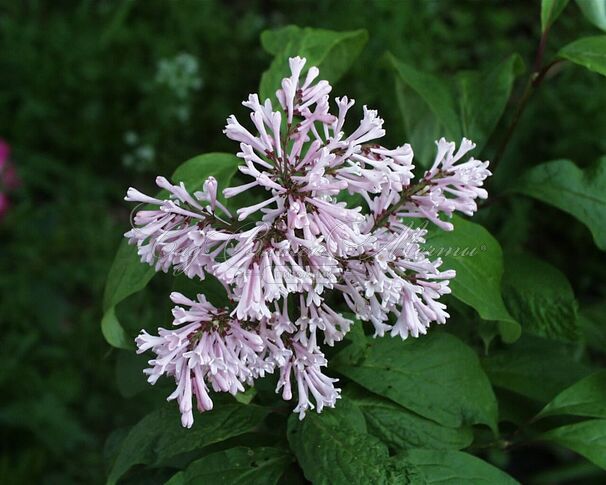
point(4, 204)
point(8, 177)
point(305, 248)
point(5, 152)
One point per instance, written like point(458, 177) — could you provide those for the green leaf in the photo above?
point(591, 321)
point(437, 377)
point(470, 106)
point(534, 367)
point(482, 98)
point(177, 479)
point(402, 429)
point(127, 276)
point(594, 11)
point(589, 52)
point(478, 260)
point(332, 52)
point(159, 436)
point(451, 468)
point(540, 297)
point(346, 414)
point(421, 126)
point(113, 332)
point(275, 40)
point(550, 11)
point(581, 193)
point(586, 397)
point(241, 465)
point(436, 94)
point(331, 450)
point(587, 438)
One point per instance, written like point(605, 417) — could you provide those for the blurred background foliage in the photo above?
point(97, 96)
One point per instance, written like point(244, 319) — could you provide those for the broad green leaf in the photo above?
point(589, 52)
point(421, 126)
point(177, 479)
point(332, 52)
point(274, 41)
point(581, 193)
point(478, 260)
point(451, 468)
point(482, 98)
point(586, 397)
point(346, 414)
point(127, 276)
point(469, 106)
point(540, 297)
point(592, 321)
point(113, 332)
point(435, 92)
point(437, 377)
point(331, 450)
point(594, 11)
point(535, 367)
point(159, 436)
point(241, 465)
point(550, 11)
point(587, 438)
point(402, 429)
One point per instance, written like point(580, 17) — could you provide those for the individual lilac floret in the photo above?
point(301, 244)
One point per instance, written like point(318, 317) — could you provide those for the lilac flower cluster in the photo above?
point(287, 261)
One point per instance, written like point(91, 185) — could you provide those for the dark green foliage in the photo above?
point(586, 397)
point(159, 436)
point(402, 429)
point(579, 192)
point(437, 377)
point(540, 297)
point(478, 260)
point(332, 52)
point(256, 466)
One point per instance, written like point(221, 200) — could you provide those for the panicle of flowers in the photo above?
point(287, 261)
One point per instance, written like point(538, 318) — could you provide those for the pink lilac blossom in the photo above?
point(282, 258)
point(9, 180)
